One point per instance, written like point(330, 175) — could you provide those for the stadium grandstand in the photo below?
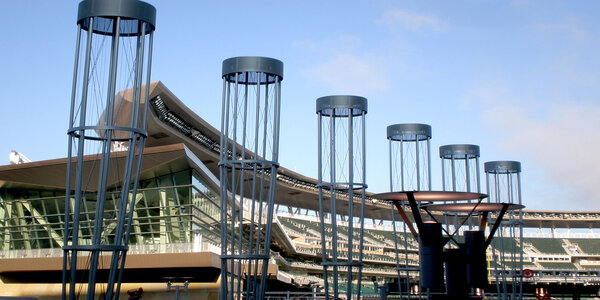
point(175, 240)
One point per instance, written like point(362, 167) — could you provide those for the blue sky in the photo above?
point(521, 79)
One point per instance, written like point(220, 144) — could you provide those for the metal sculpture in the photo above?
point(248, 172)
point(341, 178)
point(410, 159)
point(460, 173)
point(503, 180)
point(410, 170)
point(116, 54)
point(466, 265)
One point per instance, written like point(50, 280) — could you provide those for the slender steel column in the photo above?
point(115, 134)
point(248, 165)
point(342, 170)
point(503, 180)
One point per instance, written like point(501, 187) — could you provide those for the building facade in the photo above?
point(175, 236)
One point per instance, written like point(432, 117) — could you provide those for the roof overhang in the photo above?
point(52, 174)
point(169, 149)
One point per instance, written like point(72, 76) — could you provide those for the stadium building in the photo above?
point(175, 238)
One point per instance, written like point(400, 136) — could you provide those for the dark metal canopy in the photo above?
point(502, 167)
point(459, 151)
point(341, 104)
point(242, 64)
point(127, 9)
point(408, 132)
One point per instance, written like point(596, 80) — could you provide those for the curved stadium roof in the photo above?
point(172, 122)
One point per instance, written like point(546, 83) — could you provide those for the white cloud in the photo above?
point(519, 4)
point(560, 139)
point(343, 65)
point(564, 142)
point(343, 43)
point(569, 28)
point(350, 74)
point(411, 21)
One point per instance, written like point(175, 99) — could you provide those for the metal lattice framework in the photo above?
point(341, 168)
point(248, 172)
point(410, 170)
point(115, 55)
point(460, 173)
point(503, 180)
point(460, 168)
point(410, 160)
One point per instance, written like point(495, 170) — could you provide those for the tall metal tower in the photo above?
point(503, 180)
point(410, 170)
point(342, 171)
point(460, 173)
point(113, 52)
point(248, 172)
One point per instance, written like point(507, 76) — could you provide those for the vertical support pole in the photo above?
point(428, 164)
point(390, 166)
point(443, 176)
point(397, 252)
point(321, 202)
point(402, 166)
point(252, 224)
point(453, 164)
point(224, 155)
point(477, 178)
point(468, 175)
point(362, 200)
point(332, 197)
point(104, 161)
point(67, 232)
point(79, 167)
point(350, 203)
point(417, 165)
point(520, 243)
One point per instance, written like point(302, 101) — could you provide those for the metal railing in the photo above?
point(133, 249)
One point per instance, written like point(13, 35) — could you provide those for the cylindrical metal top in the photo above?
point(408, 132)
point(502, 166)
point(459, 151)
point(342, 104)
point(253, 64)
point(127, 9)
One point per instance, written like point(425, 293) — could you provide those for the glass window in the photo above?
point(164, 212)
point(182, 178)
